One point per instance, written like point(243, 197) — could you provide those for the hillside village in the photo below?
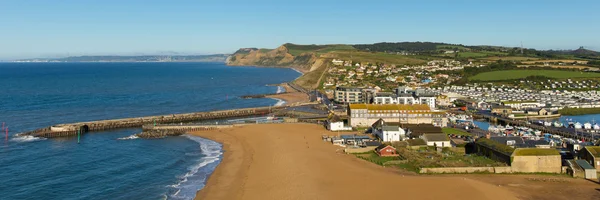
point(349, 73)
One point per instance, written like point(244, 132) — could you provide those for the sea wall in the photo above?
point(64, 130)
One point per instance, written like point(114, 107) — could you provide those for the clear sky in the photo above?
point(51, 28)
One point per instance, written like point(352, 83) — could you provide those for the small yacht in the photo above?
point(557, 124)
point(547, 123)
point(587, 125)
point(578, 125)
point(596, 127)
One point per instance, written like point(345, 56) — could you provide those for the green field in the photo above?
point(296, 50)
point(481, 54)
point(519, 74)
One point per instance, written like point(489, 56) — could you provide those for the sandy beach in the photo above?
point(291, 96)
point(290, 161)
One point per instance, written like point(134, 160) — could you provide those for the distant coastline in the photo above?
point(149, 58)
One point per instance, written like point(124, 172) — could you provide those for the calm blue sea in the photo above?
point(36, 95)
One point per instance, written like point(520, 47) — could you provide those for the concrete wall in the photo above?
point(466, 170)
point(503, 170)
point(455, 170)
point(359, 150)
point(534, 164)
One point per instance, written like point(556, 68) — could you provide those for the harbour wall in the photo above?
point(72, 129)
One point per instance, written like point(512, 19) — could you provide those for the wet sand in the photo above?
point(290, 161)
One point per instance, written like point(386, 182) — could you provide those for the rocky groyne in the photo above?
point(154, 134)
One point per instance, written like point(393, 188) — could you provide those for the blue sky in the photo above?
point(54, 28)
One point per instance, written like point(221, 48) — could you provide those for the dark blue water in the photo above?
point(36, 95)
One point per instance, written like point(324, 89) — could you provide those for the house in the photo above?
point(336, 124)
point(388, 132)
point(385, 150)
point(417, 130)
point(501, 110)
point(436, 139)
point(537, 111)
point(591, 154)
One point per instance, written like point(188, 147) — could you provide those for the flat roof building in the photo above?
point(364, 115)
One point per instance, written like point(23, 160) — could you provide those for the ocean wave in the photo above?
point(27, 138)
point(280, 102)
point(131, 137)
point(280, 89)
point(195, 178)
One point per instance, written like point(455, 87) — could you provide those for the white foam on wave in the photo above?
point(279, 102)
point(26, 138)
point(280, 89)
point(131, 137)
point(211, 152)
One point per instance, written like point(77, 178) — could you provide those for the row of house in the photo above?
point(406, 95)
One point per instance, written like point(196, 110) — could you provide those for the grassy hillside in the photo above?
point(297, 50)
point(519, 74)
point(311, 80)
point(375, 57)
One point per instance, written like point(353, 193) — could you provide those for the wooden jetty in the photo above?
point(72, 129)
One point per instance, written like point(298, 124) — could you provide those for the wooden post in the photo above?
point(78, 135)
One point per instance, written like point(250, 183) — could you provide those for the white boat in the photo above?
point(587, 125)
point(538, 133)
point(547, 123)
point(578, 125)
point(557, 124)
point(596, 127)
point(493, 129)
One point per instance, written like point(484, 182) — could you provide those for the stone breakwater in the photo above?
point(66, 130)
point(161, 131)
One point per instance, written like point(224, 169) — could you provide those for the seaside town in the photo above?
point(402, 126)
point(281, 100)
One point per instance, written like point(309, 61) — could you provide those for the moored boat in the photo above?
point(578, 125)
point(557, 124)
point(587, 125)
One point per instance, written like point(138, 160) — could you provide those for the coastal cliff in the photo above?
point(311, 60)
point(279, 57)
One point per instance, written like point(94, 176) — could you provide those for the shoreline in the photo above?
point(308, 168)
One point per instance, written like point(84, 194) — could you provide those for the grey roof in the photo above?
point(435, 137)
point(391, 128)
point(584, 164)
point(502, 140)
point(357, 137)
point(372, 143)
